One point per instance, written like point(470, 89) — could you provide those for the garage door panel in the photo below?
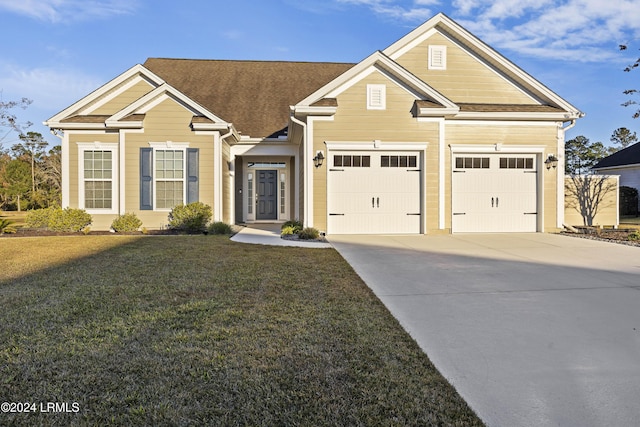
point(375, 199)
point(499, 196)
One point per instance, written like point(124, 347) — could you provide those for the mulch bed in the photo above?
point(620, 236)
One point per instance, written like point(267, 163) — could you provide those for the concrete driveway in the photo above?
point(531, 329)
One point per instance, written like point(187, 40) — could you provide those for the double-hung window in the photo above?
point(98, 173)
point(168, 176)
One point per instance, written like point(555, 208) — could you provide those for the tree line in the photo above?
point(30, 172)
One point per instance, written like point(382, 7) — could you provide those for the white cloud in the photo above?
point(69, 10)
point(578, 30)
point(416, 11)
point(47, 87)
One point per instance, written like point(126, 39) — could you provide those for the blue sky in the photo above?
point(57, 51)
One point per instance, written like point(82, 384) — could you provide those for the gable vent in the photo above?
point(437, 57)
point(376, 97)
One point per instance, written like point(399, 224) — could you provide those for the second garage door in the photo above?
point(374, 192)
point(494, 193)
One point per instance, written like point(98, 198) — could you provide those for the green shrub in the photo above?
point(635, 236)
point(68, 220)
point(39, 218)
point(293, 224)
point(191, 217)
point(58, 219)
point(219, 228)
point(288, 230)
point(309, 234)
point(6, 226)
point(126, 223)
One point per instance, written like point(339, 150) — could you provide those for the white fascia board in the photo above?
point(496, 148)
point(500, 123)
point(75, 126)
point(102, 90)
point(314, 111)
point(555, 117)
point(210, 126)
point(614, 168)
point(437, 112)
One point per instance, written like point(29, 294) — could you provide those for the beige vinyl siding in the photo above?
point(607, 214)
point(465, 79)
point(354, 122)
point(509, 134)
point(168, 121)
point(124, 99)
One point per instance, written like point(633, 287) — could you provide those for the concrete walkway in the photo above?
point(531, 329)
point(269, 234)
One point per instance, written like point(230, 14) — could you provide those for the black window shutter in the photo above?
point(192, 175)
point(146, 179)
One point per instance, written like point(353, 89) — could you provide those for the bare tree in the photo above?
point(9, 120)
point(633, 92)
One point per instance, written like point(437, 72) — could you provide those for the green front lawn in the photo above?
point(194, 330)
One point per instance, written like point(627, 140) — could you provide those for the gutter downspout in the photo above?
point(305, 176)
point(64, 165)
point(218, 214)
point(561, 172)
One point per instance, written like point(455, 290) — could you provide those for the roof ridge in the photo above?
point(250, 60)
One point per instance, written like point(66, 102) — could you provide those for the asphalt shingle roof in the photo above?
point(627, 156)
point(253, 95)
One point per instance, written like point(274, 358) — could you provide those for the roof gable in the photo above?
point(443, 26)
point(378, 62)
point(96, 103)
point(624, 157)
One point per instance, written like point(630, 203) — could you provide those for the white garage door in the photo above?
point(494, 193)
point(374, 192)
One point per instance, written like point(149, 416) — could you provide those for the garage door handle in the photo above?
point(459, 213)
point(413, 214)
point(492, 202)
point(332, 214)
point(497, 202)
point(531, 213)
point(373, 202)
point(336, 170)
point(378, 201)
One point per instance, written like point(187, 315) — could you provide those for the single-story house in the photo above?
point(625, 163)
point(437, 133)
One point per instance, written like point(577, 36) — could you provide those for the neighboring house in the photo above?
point(437, 133)
point(625, 163)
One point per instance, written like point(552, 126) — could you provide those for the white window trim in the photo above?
point(173, 146)
point(371, 104)
point(115, 198)
point(442, 51)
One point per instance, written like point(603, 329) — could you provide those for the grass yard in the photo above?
point(199, 330)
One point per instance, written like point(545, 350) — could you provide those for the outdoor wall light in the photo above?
point(551, 162)
point(318, 159)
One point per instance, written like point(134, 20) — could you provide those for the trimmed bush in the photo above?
point(219, 228)
point(294, 226)
point(68, 220)
point(191, 217)
point(39, 218)
point(58, 219)
point(126, 223)
point(635, 236)
point(309, 234)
